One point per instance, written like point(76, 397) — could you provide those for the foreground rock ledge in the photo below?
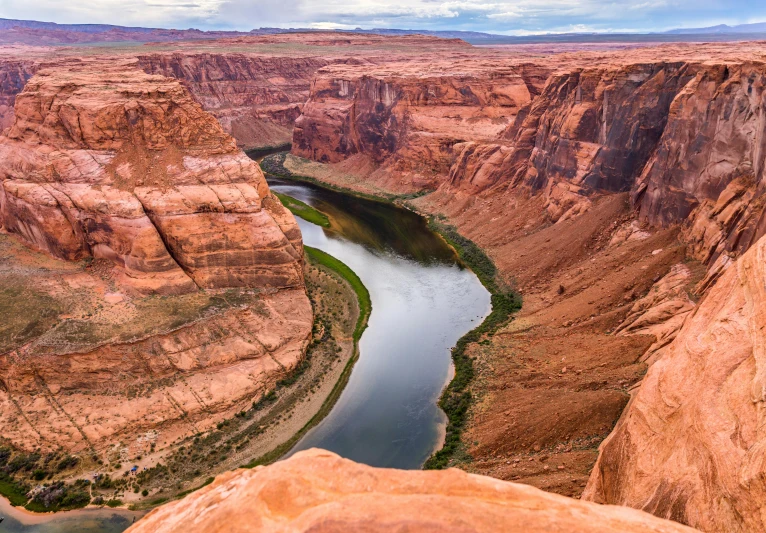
point(317, 491)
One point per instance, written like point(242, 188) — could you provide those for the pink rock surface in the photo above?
point(690, 445)
point(317, 491)
point(105, 161)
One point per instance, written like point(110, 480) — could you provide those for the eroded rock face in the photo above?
point(79, 389)
point(13, 76)
point(105, 161)
point(255, 98)
point(407, 117)
point(690, 445)
point(709, 166)
point(144, 200)
point(317, 491)
point(621, 192)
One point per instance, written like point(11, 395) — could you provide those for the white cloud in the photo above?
point(504, 16)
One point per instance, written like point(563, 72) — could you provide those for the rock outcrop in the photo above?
point(176, 297)
point(614, 199)
point(105, 161)
point(255, 98)
point(408, 117)
point(318, 491)
point(690, 444)
point(14, 74)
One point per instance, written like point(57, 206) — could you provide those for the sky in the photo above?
point(516, 17)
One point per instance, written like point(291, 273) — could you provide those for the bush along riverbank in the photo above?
point(29, 480)
point(456, 398)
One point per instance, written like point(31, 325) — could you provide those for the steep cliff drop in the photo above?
point(613, 199)
point(318, 491)
point(162, 287)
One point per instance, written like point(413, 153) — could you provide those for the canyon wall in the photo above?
point(317, 491)
point(114, 164)
point(13, 76)
point(690, 445)
point(162, 286)
point(407, 118)
point(255, 98)
point(613, 199)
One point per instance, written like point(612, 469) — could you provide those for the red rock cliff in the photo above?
point(407, 117)
point(690, 445)
point(317, 491)
point(255, 98)
point(13, 76)
point(125, 171)
point(109, 162)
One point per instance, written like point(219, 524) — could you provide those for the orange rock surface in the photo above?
point(108, 162)
point(690, 445)
point(318, 491)
point(144, 200)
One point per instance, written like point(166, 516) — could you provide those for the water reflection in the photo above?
point(423, 301)
point(86, 520)
point(377, 226)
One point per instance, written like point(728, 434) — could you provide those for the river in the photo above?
point(423, 300)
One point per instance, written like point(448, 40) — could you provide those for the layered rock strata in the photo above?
point(614, 199)
point(407, 117)
point(690, 445)
point(111, 163)
point(255, 98)
point(176, 297)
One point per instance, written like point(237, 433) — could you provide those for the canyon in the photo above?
point(619, 191)
point(121, 186)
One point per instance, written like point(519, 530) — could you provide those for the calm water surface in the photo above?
point(422, 302)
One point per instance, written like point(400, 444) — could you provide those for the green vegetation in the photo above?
point(20, 472)
point(60, 496)
point(365, 303)
point(303, 210)
point(13, 490)
point(456, 398)
point(318, 257)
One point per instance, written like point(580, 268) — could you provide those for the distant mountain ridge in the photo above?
point(32, 32)
point(757, 27)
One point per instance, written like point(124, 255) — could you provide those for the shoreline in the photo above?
point(31, 518)
point(365, 310)
point(454, 400)
point(284, 411)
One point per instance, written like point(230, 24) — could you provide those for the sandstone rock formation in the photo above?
point(613, 198)
point(107, 162)
point(690, 445)
point(408, 117)
point(13, 76)
point(256, 99)
point(143, 200)
point(317, 491)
